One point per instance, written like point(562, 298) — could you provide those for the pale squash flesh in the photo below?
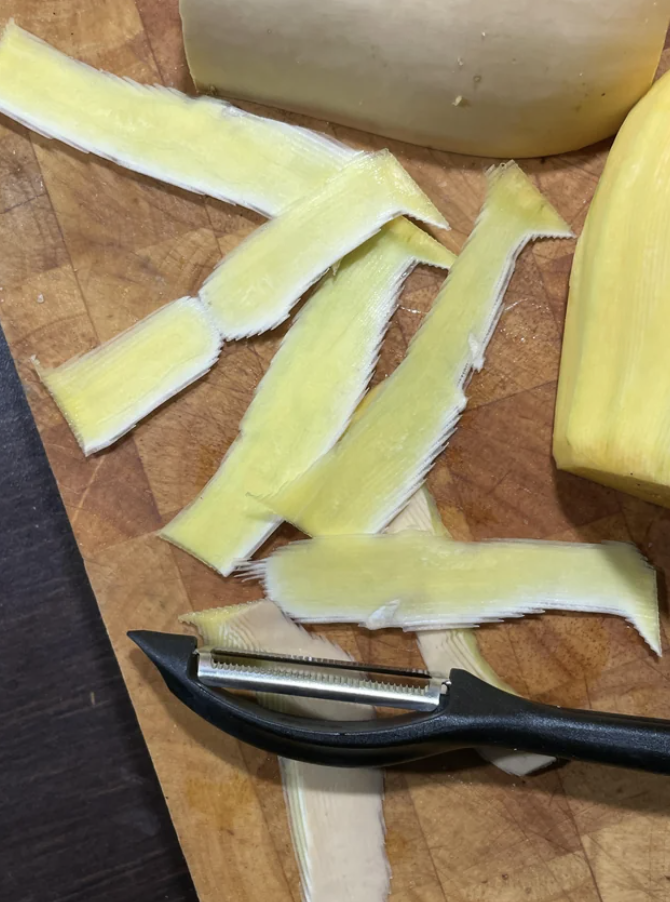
point(361, 484)
point(201, 145)
point(105, 392)
point(306, 398)
point(254, 288)
point(612, 412)
point(335, 814)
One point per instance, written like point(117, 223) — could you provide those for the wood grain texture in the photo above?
point(89, 249)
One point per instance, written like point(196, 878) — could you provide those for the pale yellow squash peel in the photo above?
point(201, 145)
point(443, 650)
point(361, 484)
point(254, 288)
point(104, 393)
point(418, 581)
point(305, 400)
point(149, 360)
point(613, 407)
point(335, 814)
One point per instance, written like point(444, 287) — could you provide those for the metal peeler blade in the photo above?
point(343, 681)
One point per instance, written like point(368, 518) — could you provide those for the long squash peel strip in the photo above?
point(306, 398)
point(366, 479)
point(201, 145)
point(442, 650)
point(104, 393)
point(612, 413)
point(418, 581)
point(254, 288)
point(335, 814)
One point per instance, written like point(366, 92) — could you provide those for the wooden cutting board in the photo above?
point(87, 250)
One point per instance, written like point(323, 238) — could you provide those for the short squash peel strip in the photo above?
point(254, 288)
point(306, 398)
point(613, 411)
point(417, 581)
point(335, 814)
point(202, 145)
point(366, 479)
point(443, 650)
point(104, 393)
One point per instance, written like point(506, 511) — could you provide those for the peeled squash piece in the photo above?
point(418, 581)
point(254, 288)
point(105, 392)
point(307, 396)
point(443, 650)
point(613, 411)
point(335, 814)
point(503, 78)
point(368, 477)
point(201, 145)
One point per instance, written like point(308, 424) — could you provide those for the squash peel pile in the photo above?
point(368, 477)
point(305, 400)
point(342, 467)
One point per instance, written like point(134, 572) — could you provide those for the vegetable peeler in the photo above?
point(443, 714)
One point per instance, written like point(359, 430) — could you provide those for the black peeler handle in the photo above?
point(498, 718)
point(473, 713)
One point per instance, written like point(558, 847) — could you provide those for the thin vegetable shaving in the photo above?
point(418, 581)
point(104, 393)
point(307, 396)
point(361, 484)
point(254, 288)
point(201, 145)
